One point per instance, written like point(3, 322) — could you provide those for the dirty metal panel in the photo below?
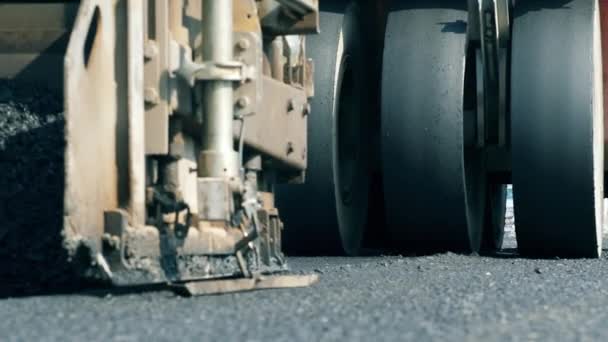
point(216, 199)
point(212, 287)
point(149, 254)
point(278, 128)
point(38, 15)
point(279, 18)
point(136, 125)
point(157, 78)
point(275, 124)
point(32, 50)
point(145, 242)
point(94, 130)
point(248, 51)
point(299, 7)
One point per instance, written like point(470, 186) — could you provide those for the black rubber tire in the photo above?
point(557, 128)
point(433, 184)
point(494, 227)
point(327, 215)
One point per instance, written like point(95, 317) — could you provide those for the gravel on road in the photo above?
point(438, 297)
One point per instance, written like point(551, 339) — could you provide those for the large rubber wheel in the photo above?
point(557, 128)
point(327, 214)
point(433, 183)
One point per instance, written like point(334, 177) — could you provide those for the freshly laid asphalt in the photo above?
point(385, 298)
point(440, 297)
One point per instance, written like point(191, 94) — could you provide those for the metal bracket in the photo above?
point(494, 37)
point(288, 17)
point(211, 287)
point(248, 95)
point(192, 72)
point(299, 7)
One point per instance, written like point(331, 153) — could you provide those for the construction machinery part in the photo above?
point(289, 17)
point(221, 286)
point(557, 127)
point(217, 157)
point(433, 182)
point(494, 225)
point(489, 52)
point(490, 33)
point(327, 214)
point(175, 132)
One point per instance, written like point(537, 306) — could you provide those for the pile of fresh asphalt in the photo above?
point(31, 190)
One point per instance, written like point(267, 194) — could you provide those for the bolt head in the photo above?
point(150, 49)
point(306, 109)
point(151, 96)
point(289, 148)
point(242, 102)
point(291, 105)
point(243, 44)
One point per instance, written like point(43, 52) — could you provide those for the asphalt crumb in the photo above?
point(385, 298)
point(32, 144)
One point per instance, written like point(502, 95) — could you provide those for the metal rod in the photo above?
point(176, 8)
point(276, 55)
point(218, 155)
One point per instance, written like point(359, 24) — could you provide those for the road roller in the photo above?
point(194, 142)
point(459, 99)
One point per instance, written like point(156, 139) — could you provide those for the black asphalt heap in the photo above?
point(31, 190)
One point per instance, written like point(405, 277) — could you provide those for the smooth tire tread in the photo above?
point(433, 183)
point(557, 128)
point(327, 215)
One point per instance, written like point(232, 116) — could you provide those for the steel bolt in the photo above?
point(111, 240)
point(243, 44)
point(291, 105)
point(150, 49)
point(306, 109)
point(242, 102)
point(151, 96)
point(290, 148)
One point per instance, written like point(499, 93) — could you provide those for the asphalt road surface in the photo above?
point(440, 297)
